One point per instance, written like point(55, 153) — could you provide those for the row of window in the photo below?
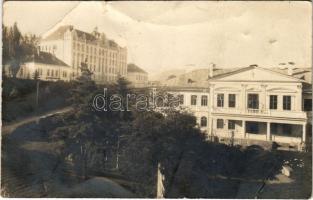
point(50, 73)
point(55, 73)
point(48, 48)
point(204, 100)
point(141, 78)
point(231, 100)
point(253, 101)
point(220, 124)
point(93, 60)
point(101, 51)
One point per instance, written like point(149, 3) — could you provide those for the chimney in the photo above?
point(211, 69)
point(290, 71)
point(290, 68)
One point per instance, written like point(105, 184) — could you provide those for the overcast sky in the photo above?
point(177, 35)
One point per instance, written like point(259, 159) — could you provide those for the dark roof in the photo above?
point(59, 33)
point(134, 68)
point(45, 58)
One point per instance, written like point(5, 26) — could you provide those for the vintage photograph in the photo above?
point(156, 99)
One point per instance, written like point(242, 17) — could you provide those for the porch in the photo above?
point(258, 130)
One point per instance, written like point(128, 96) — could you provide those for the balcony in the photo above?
point(262, 112)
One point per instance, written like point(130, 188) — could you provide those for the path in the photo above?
point(10, 127)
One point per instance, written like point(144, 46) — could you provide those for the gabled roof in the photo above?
point(59, 34)
point(45, 58)
point(134, 68)
point(241, 70)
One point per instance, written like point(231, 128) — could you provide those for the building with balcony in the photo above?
point(104, 57)
point(252, 105)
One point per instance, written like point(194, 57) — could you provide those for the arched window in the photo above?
point(203, 122)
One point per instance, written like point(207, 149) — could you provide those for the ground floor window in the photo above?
point(203, 122)
point(290, 130)
point(252, 127)
point(220, 123)
point(231, 124)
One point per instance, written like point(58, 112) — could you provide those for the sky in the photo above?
point(167, 35)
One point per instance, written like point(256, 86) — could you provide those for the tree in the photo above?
point(16, 47)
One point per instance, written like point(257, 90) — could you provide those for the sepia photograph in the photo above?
point(156, 99)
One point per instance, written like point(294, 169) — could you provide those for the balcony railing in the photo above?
point(264, 112)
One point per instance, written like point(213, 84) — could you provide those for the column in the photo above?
point(263, 104)
point(268, 131)
point(243, 97)
point(244, 128)
point(303, 132)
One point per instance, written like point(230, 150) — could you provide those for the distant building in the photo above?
point(137, 76)
point(43, 65)
point(105, 58)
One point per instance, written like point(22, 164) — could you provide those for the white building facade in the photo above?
point(43, 66)
point(252, 105)
point(105, 58)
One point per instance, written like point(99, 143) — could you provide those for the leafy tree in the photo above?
point(16, 47)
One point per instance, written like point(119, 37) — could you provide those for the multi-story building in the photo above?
point(105, 58)
point(42, 65)
point(137, 76)
point(253, 105)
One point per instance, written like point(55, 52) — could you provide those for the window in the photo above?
point(193, 100)
point(203, 122)
point(231, 100)
point(220, 100)
point(287, 102)
point(253, 101)
point(56, 73)
point(231, 124)
point(220, 123)
point(48, 72)
point(181, 99)
point(273, 102)
point(307, 105)
point(52, 72)
point(252, 127)
point(204, 100)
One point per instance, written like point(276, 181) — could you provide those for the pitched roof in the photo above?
point(134, 68)
point(300, 73)
point(249, 68)
point(59, 34)
point(45, 58)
